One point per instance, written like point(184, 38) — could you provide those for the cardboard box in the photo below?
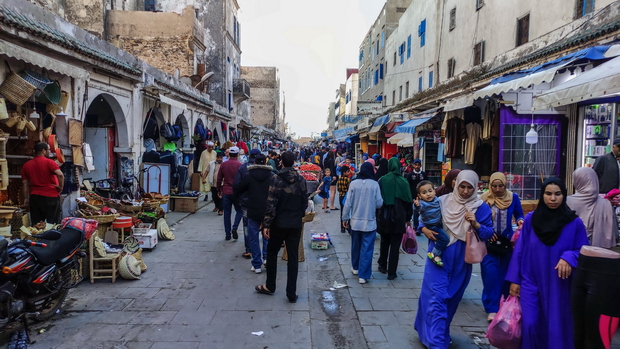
point(184, 204)
point(319, 245)
point(147, 240)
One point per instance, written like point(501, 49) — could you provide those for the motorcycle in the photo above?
point(35, 276)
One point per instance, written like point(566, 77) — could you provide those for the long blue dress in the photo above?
point(494, 267)
point(443, 287)
point(547, 321)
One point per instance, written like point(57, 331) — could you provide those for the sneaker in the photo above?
point(256, 270)
point(235, 236)
point(362, 281)
point(227, 237)
point(353, 271)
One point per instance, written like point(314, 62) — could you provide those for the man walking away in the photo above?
point(343, 187)
point(254, 187)
point(414, 178)
point(214, 169)
point(203, 167)
point(42, 183)
point(286, 206)
point(243, 199)
point(607, 168)
point(225, 179)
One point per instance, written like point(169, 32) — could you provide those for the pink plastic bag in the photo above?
point(409, 242)
point(505, 329)
point(515, 237)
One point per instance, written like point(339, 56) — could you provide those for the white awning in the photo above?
point(597, 82)
point(407, 142)
point(397, 138)
point(172, 102)
point(524, 82)
point(41, 61)
point(460, 102)
point(375, 129)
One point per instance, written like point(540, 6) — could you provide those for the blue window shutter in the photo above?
point(409, 46)
point(423, 24)
point(420, 84)
point(376, 77)
point(382, 39)
point(381, 71)
point(430, 79)
point(423, 39)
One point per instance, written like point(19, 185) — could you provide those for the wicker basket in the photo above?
point(109, 218)
point(37, 80)
point(16, 90)
point(125, 208)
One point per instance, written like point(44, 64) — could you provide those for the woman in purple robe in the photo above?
point(443, 287)
point(541, 269)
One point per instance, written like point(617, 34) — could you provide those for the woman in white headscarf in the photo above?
point(596, 213)
point(443, 287)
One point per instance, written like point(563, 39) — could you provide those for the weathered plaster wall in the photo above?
point(265, 94)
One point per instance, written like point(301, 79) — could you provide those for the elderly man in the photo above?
point(203, 167)
point(225, 178)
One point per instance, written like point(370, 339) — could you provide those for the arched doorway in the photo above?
point(103, 123)
point(186, 139)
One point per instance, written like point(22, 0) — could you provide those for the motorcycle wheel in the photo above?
point(54, 305)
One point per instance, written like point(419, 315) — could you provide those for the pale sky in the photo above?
point(312, 43)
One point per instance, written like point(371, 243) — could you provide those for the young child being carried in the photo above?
point(430, 214)
point(323, 189)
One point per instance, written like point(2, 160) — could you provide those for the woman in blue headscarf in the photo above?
point(362, 201)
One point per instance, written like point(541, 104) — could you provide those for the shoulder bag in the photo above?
point(475, 248)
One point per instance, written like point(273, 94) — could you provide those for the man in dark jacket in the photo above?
point(607, 168)
point(286, 206)
point(254, 187)
point(243, 200)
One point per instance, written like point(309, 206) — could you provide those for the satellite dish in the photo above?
point(204, 78)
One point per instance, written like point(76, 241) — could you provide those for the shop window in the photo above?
point(479, 4)
point(452, 19)
point(523, 30)
point(583, 7)
point(451, 66)
point(479, 53)
point(523, 163)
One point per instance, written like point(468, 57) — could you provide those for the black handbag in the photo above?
point(499, 247)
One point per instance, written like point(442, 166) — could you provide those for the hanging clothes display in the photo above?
point(455, 134)
point(488, 117)
point(474, 131)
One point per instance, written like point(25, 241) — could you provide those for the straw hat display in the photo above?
point(129, 267)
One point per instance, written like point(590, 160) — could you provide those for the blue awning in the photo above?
point(340, 135)
point(591, 53)
point(410, 126)
point(382, 120)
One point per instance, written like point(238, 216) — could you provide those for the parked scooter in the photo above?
point(35, 277)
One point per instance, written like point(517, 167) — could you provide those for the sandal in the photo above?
point(436, 259)
point(263, 289)
point(220, 213)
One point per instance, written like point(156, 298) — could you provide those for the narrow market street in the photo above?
point(198, 292)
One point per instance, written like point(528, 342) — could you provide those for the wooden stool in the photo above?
point(102, 267)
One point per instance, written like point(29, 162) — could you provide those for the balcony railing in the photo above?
point(241, 88)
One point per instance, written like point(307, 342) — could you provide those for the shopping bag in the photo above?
point(475, 247)
point(505, 329)
point(515, 237)
point(409, 242)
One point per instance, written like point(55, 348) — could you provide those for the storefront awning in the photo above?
point(407, 142)
point(410, 126)
point(382, 120)
point(398, 137)
point(172, 102)
point(597, 82)
point(342, 134)
point(41, 61)
point(460, 102)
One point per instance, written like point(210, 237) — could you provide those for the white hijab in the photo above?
point(454, 206)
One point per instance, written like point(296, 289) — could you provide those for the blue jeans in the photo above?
point(228, 201)
point(442, 239)
point(362, 247)
point(245, 230)
point(254, 242)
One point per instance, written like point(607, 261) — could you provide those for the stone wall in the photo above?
point(166, 54)
point(265, 87)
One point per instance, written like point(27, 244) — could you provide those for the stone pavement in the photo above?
point(198, 292)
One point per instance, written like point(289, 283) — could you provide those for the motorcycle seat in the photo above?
point(58, 249)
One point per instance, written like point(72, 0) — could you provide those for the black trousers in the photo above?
point(388, 252)
point(594, 294)
point(291, 238)
point(44, 208)
point(217, 201)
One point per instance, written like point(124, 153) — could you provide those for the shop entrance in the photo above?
point(100, 132)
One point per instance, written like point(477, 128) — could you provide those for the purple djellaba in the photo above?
point(541, 269)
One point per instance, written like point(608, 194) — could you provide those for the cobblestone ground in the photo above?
point(198, 292)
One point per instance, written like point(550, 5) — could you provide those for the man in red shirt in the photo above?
point(225, 179)
point(42, 183)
